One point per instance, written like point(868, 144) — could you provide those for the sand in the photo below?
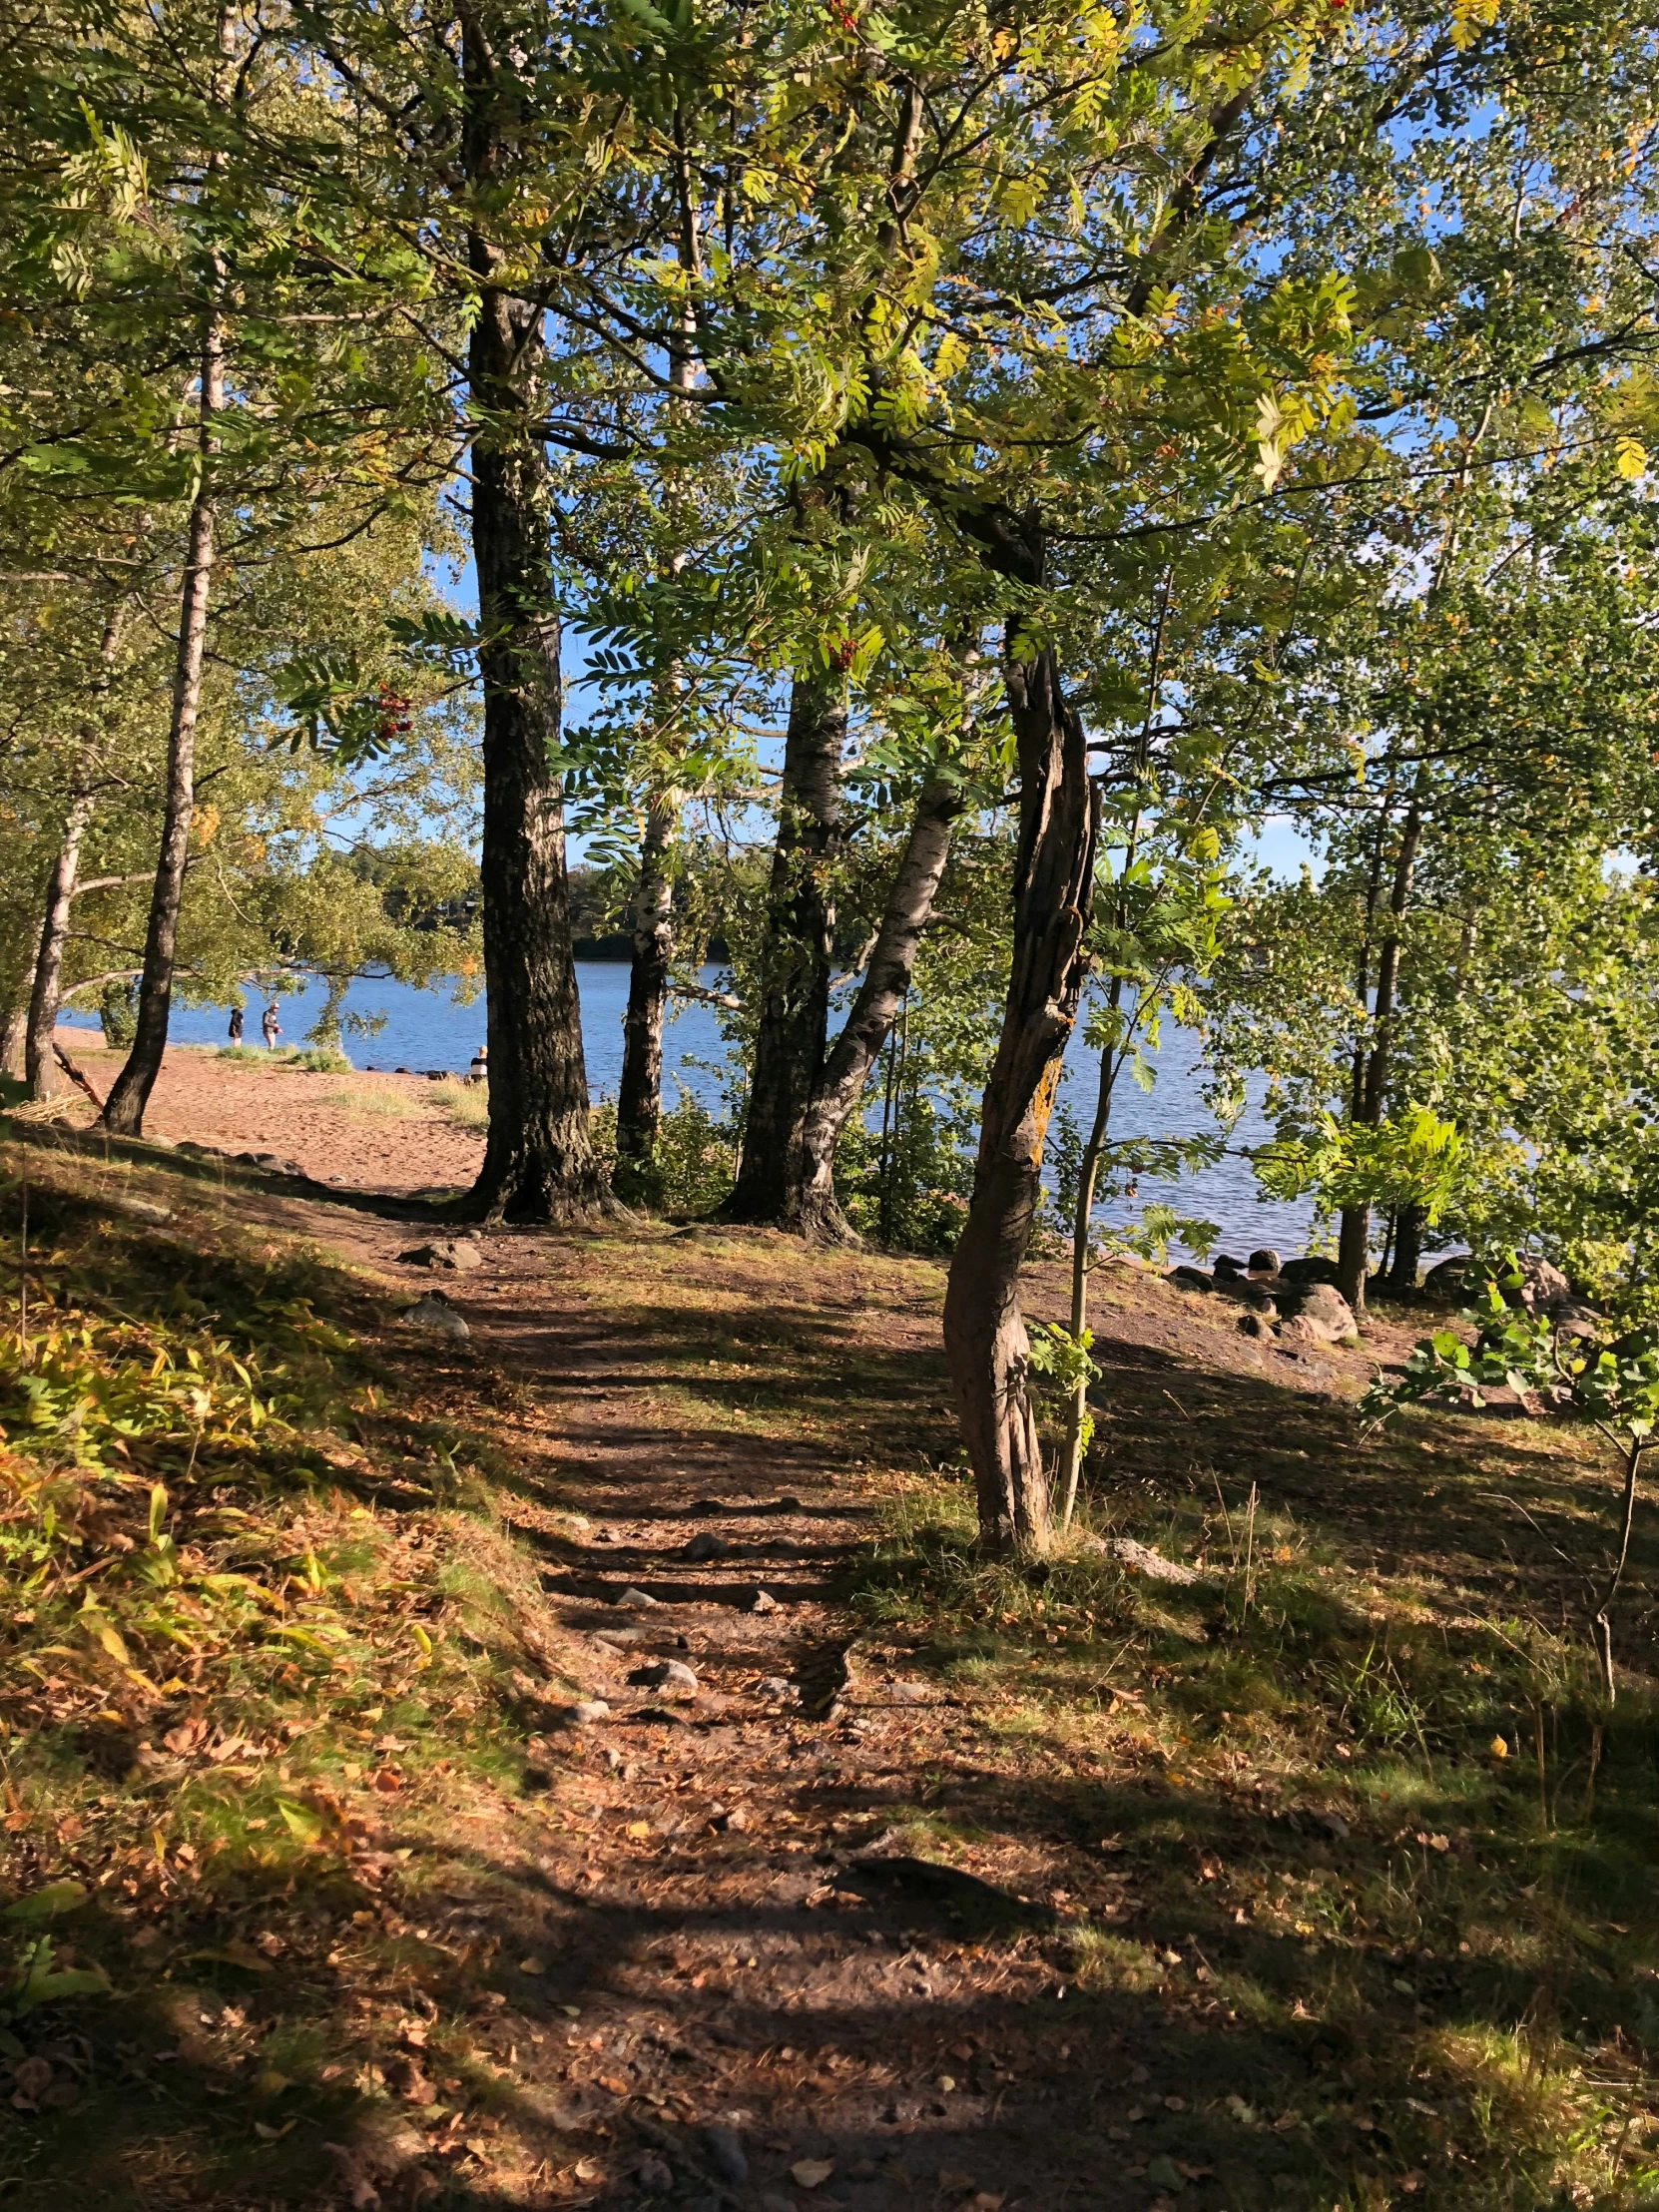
point(329, 1124)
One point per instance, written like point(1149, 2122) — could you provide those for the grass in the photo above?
point(254, 1601)
point(373, 1098)
point(465, 1103)
point(308, 1060)
point(1349, 1812)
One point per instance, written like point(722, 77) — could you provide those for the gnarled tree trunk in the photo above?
point(985, 1332)
point(795, 959)
point(812, 1208)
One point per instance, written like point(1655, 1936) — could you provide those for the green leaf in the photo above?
point(49, 1904)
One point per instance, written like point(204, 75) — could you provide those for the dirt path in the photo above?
point(828, 1902)
point(735, 1931)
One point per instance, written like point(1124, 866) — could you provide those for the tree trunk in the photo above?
point(130, 1093)
point(985, 1332)
point(812, 1209)
point(1403, 1276)
point(539, 1162)
point(637, 1179)
point(795, 956)
point(40, 1068)
point(40, 1065)
point(1354, 1254)
point(1371, 1083)
point(14, 1032)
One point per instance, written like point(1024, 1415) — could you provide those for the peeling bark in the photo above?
point(984, 1332)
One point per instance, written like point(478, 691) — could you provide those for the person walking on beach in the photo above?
point(236, 1025)
point(271, 1027)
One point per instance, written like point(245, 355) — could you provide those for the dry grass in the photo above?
point(466, 1104)
point(380, 1099)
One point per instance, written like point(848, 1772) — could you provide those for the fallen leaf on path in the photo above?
point(811, 2173)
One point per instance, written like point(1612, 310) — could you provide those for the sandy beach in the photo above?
point(371, 1132)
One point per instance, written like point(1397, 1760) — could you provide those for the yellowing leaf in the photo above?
point(1498, 1748)
point(106, 1634)
point(1469, 19)
point(1630, 459)
point(301, 1821)
point(952, 356)
point(809, 2173)
point(638, 1827)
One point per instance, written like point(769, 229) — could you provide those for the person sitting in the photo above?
point(478, 1072)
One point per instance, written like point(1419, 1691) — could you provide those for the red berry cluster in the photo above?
point(394, 719)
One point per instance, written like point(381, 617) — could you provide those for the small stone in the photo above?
point(436, 1314)
point(762, 1602)
point(457, 1255)
point(635, 1601)
point(779, 1690)
point(587, 1710)
point(654, 2173)
point(1319, 1315)
point(136, 1209)
point(1190, 1278)
point(1141, 1559)
point(1255, 1325)
point(704, 1546)
point(1313, 1268)
point(664, 1674)
point(617, 1639)
point(1263, 1260)
point(725, 2151)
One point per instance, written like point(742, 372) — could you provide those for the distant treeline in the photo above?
point(592, 909)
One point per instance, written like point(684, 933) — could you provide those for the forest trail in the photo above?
point(929, 1883)
point(736, 1928)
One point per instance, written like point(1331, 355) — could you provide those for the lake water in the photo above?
point(426, 1029)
